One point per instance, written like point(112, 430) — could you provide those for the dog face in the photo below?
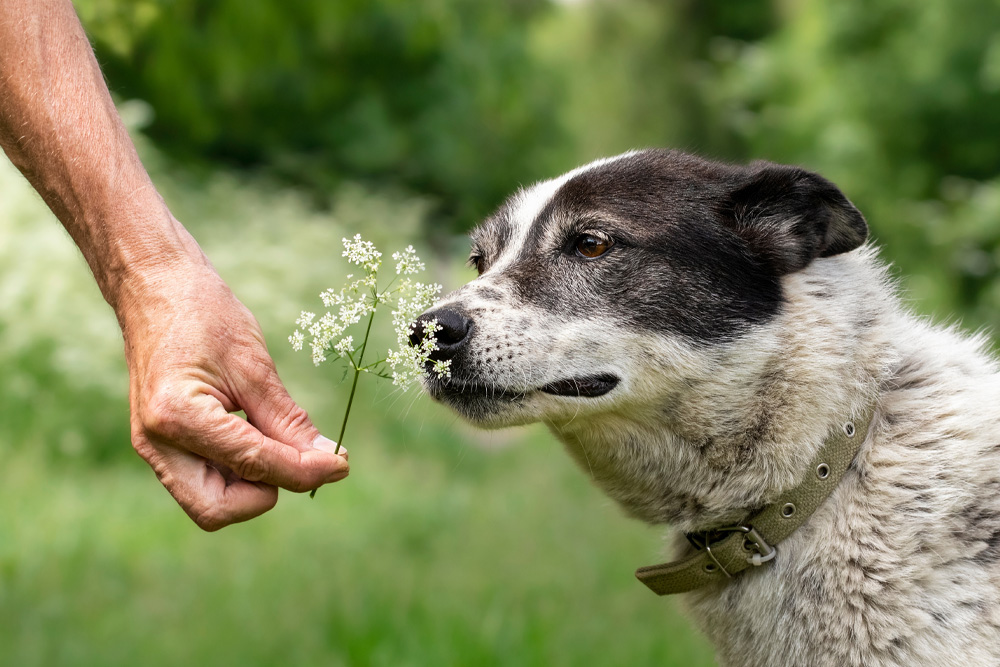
point(599, 289)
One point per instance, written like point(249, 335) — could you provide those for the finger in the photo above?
point(272, 411)
point(204, 494)
point(202, 425)
point(255, 457)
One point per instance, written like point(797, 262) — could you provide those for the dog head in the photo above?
point(596, 288)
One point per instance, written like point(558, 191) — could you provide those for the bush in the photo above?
point(439, 97)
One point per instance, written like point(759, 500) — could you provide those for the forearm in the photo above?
point(60, 127)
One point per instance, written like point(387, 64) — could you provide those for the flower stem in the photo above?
point(354, 386)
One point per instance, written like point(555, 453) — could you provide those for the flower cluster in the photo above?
point(408, 362)
point(407, 262)
point(358, 300)
point(363, 253)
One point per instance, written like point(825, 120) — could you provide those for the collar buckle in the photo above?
point(765, 551)
point(759, 551)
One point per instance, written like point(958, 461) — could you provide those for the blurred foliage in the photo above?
point(639, 72)
point(408, 121)
point(422, 95)
point(64, 384)
point(897, 102)
point(461, 101)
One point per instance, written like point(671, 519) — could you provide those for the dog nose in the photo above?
point(453, 332)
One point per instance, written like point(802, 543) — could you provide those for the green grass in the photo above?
point(435, 551)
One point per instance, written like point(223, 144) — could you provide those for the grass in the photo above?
point(434, 552)
point(445, 546)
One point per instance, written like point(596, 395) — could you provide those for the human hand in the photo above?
point(195, 355)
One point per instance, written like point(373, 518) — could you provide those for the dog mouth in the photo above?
point(590, 386)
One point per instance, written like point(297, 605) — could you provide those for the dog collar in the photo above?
point(725, 552)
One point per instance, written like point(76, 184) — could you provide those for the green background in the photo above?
point(275, 128)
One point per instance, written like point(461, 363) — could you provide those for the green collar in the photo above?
point(723, 553)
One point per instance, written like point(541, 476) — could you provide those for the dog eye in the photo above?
point(477, 262)
point(591, 245)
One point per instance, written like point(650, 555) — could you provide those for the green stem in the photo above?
point(373, 364)
point(354, 386)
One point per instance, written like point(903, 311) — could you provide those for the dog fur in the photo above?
point(695, 368)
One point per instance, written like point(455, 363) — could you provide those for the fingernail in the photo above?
point(324, 444)
point(337, 476)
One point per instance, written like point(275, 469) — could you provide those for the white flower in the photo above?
point(344, 346)
point(410, 362)
point(358, 299)
point(325, 330)
point(318, 356)
point(362, 253)
point(331, 298)
point(305, 319)
point(442, 368)
point(353, 311)
point(407, 262)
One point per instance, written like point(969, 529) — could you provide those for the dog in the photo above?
point(693, 332)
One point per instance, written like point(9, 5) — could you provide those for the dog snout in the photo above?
point(452, 334)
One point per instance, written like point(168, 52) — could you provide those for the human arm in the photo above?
point(195, 354)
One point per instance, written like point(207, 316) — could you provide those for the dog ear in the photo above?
point(790, 216)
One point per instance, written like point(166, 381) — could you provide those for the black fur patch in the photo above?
point(790, 216)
